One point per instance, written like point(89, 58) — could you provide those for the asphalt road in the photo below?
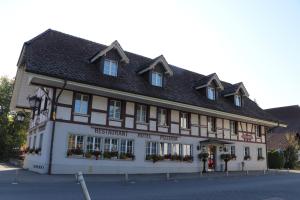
point(262, 187)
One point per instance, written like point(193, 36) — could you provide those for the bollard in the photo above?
point(247, 172)
point(264, 171)
point(201, 173)
point(126, 177)
point(76, 178)
point(226, 173)
point(288, 171)
point(83, 186)
point(168, 176)
point(15, 181)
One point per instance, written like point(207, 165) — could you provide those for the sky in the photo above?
point(256, 42)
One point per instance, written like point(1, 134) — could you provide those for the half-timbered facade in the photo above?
point(105, 110)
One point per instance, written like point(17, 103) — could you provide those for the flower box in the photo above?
point(247, 157)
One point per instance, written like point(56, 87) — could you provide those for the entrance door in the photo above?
point(211, 158)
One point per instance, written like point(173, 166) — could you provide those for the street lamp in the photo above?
point(20, 117)
point(34, 102)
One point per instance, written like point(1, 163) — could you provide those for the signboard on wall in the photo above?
point(116, 132)
point(247, 136)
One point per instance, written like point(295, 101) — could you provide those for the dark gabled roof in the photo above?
point(288, 114)
point(206, 80)
point(234, 89)
point(60, 55)
point(158, 60)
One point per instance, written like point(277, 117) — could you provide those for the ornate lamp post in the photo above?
point(34, 102)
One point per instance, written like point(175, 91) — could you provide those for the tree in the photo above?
point(12, 133)
point(291, 152)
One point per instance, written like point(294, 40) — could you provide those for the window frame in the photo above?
point(141, 113)
point(81, 100)
point(245, 152)
point(213, 93)
point(111, 145)
point(113, 108)
point(238, 100)
point(232, 150)
point(234, 129)
point(159, 117)
point(129, 149)
point(149, 146)
point(93, 143)
point(154, 79)
point(257, 129)
point(259, 152)
point(213, 127)
point(76, 143)
point(186, 120)
point(109, 71)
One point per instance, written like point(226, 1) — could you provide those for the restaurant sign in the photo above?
point(110, 132)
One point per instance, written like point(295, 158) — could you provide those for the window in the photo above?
point(126, 146)
point(75, 142)
point(247, 151)
point(186, 150)
point(211, 124)
point(184, 120)
point(257, 130)
point(41, 141)
point(45, 103)
point(141, 113)
point(162, 116)
point(238, 100)
point(151, 148)
point(176, 149)
point(259, 153)
point(29, 142)
point(165, 149)
point(233, 127)
point(110, 145)
point(81, 103)
point(34, 141)
point(232, 150)
point(157, 79)
point(93, 144)
point(114, 109)
point(110, 67)
point(211, 93)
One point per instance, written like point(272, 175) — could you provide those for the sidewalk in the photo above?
point(10, 173)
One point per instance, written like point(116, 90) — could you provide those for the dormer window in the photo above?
point(211, 93)
point(110, 67)
point(238, 100)
point(156, 79)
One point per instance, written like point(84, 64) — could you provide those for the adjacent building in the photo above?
point(277, 138)
point(100, 109)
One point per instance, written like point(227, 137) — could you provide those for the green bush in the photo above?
point(275, 160)
point(291, 157)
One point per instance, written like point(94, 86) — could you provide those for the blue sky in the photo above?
point(256, 42)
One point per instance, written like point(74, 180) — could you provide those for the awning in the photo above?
point(214, 141)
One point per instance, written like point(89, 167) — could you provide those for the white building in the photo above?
point(103, 110)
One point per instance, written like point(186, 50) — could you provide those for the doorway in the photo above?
point(211, 161)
